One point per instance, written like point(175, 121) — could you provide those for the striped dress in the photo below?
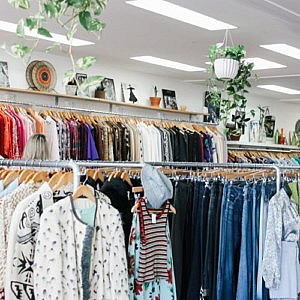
point(151, 274)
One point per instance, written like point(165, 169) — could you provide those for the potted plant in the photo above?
point(155, 101)
point(229, 96)
point(226, 60)
point(100, 92)
point(71, 88)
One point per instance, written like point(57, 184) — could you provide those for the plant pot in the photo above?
point(233, 137)
point(155, 101)
point(226, 68)
point(99, 94)
point(71, 90)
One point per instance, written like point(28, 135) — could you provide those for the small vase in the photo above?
point(262, 134)
point(155, 101)
point(100, 94)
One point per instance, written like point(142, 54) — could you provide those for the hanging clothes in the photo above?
point(151, 272)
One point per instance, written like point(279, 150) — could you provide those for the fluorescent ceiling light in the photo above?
point(59, 38)
point(289, 100)
point(208, 63)
point(284, 49)
point(180, 13)
point(280, 89)
point(263, 64)
point(168, 63)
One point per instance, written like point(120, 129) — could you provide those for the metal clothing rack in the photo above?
point(46, 164)
point(68, 108)
point(103, 164)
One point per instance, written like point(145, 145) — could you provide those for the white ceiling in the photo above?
point(131, 31)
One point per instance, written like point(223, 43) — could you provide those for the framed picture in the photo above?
point(81, 77)
point(169, 99)
point(213, 111)
point(269, 126)
point(109, 88)
point(4, 78)
point(126, 96)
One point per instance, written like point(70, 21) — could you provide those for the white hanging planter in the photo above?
point(226, 68)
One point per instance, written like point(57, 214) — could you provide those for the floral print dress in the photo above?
point(151, 273)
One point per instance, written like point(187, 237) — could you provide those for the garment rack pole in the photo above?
point(103, 164)
point(103, 112)
point(46, 164)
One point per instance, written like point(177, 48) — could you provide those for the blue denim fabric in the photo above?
point(230, 240)
point(255, 234)
point(245, 265)
point(267, 192)
point(194, 286)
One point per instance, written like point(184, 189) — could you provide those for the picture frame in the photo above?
point(213, 111)
point(81, 77)
point(108, 86)
point(169, 99)
point(4, 76)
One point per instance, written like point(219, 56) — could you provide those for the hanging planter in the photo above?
point(226, 68)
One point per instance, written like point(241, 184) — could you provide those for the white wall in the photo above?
point(186, 93)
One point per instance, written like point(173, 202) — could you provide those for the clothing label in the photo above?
point(153, 218)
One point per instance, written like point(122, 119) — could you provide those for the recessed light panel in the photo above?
point(263, 64)
point(284, 49)
point(280, 89)
point(59, 38)
point(180, 13)
point(167, 63)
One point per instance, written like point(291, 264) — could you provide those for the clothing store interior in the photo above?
point(149, 150)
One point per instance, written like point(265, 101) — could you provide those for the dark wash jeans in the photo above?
point(230, 241)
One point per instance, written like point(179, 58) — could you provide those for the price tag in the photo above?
point(153, 218)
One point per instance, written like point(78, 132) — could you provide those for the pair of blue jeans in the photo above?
point(230, 241)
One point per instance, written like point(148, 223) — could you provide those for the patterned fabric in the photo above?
point(23, 232)
point(7, 207)
point(283, 224)
point(159, 288)
point(92, 260)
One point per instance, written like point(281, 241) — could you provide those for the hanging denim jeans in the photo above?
point(245, 265)
point(230, 242)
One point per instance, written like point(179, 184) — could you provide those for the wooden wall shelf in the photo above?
point(104, 101)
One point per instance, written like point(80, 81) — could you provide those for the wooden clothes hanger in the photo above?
point(11, 176)
point(40, 176)
point(64, 180)
point(83, 191)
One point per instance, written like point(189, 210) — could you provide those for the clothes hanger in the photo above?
point(11, 176)
point(64, 180)
point(125, 177)
point(84, 191)
point(55, 179)
point(40, 176)
point(24, 174)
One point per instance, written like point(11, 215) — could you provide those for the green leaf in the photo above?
point(90, 24)
point(52, 47)
point(102, 3)
point(43, 31)
point(77, 3)
point(84, 63)
point(20, 50)
point(68, 76)
point(24, 4)
point(20, 28)
point(50, 10)
point(91, 81)
point(31, 22)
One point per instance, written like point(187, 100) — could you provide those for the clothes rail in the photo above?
point(46, 164)
point(68, 108)
point(91, 164)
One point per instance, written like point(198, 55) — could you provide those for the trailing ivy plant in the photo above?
point(230, 95)
point(69, 15)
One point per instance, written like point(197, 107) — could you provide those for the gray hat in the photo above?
point(157, 186)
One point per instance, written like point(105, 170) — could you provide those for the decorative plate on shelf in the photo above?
point(44, 76)
point(29, 74)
